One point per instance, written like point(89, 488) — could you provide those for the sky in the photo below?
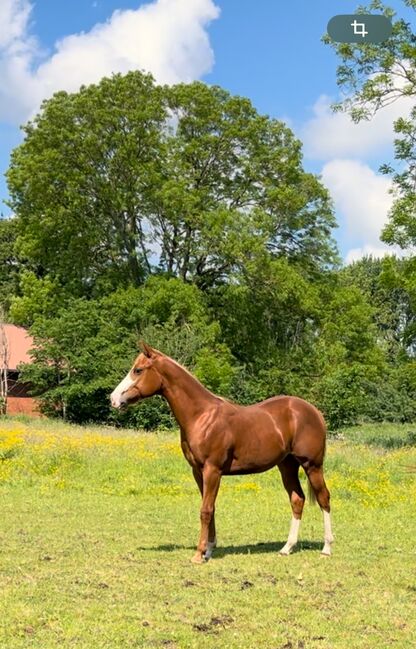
point(269, 51)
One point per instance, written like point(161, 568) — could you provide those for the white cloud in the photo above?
point(14, 16)
point(334, 135)
point(166, 37)
point(362, 202)
point(369, 251)
point(361, 195)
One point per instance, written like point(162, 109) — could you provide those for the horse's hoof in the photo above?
point(210, 549)
point(284, 552)
point(325, 554)
point(198, 558)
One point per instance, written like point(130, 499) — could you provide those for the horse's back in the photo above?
point(304, 411)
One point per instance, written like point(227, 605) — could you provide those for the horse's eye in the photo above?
point(137, 370)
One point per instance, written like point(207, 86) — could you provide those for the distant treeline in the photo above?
point(181, 216)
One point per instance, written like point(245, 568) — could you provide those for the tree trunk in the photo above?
point(4, 366)
point(187, 253)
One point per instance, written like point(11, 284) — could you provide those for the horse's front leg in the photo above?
point(212, 534)
point(211, 477)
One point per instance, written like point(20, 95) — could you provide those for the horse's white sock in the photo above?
point(210, 547)
point(292, 539)
point(328, 536)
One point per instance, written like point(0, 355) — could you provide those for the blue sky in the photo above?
point(268, 51)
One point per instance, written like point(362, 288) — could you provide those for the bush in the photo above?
point(342, 396)
point(215, 369)
point(149, 414)
point(387, 402)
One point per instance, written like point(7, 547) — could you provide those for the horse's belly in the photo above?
point(254, 463)
point(237, 469)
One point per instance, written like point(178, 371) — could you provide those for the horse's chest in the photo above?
point(189, 456)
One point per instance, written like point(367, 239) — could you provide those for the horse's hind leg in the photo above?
point(289, 470)
point(316, 479)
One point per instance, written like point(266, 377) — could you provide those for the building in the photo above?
point(19, 343)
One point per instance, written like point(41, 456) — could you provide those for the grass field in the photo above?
point(98, 527)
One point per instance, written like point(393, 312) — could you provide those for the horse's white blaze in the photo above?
point(328, 536)
point(292, 539)
point(123, 386)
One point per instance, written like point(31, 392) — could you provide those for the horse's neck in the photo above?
point(187, 397)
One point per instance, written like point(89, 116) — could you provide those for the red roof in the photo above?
point(19, 343)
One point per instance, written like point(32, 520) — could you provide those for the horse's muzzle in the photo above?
point(118, 402)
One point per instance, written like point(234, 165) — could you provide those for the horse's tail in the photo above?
point(311, 493)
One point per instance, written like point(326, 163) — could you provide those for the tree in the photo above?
point(370, 350)
point(125, 179)
point(80, 181)
point(39, 297)
point(4, 365)
point(268, 314)
point(372, 77)
point(401, 229)
point(83, 351)
point(382, 281)
point(234, 188)
point(9, 264)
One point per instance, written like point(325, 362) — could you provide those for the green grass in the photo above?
point(387, 436)
point(98, 527)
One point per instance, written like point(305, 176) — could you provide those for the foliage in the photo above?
point(293, 337)
point(381, 281)
point(183, 217)
point(235, 188)
point(83, 351)
point(39, 297)
point(129, 178)
point(381, 387)
point(401, 228)
point(79, 183)
point(372, 77)
point(9, 265)
point(375, 75)
point(216, 368)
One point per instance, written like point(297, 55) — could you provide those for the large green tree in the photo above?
point(401, 228)
point(235, 188)
point(126, 178)
point(9, 264)
point(81, 180)
point(382, 281)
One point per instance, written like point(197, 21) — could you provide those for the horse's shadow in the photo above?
point(250, 548)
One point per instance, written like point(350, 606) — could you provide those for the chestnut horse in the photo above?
point(219, 438)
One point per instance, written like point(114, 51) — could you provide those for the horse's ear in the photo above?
point(146, 349)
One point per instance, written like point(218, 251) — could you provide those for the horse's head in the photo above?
point(143, 380)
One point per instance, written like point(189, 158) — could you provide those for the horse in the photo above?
point(220, 438)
